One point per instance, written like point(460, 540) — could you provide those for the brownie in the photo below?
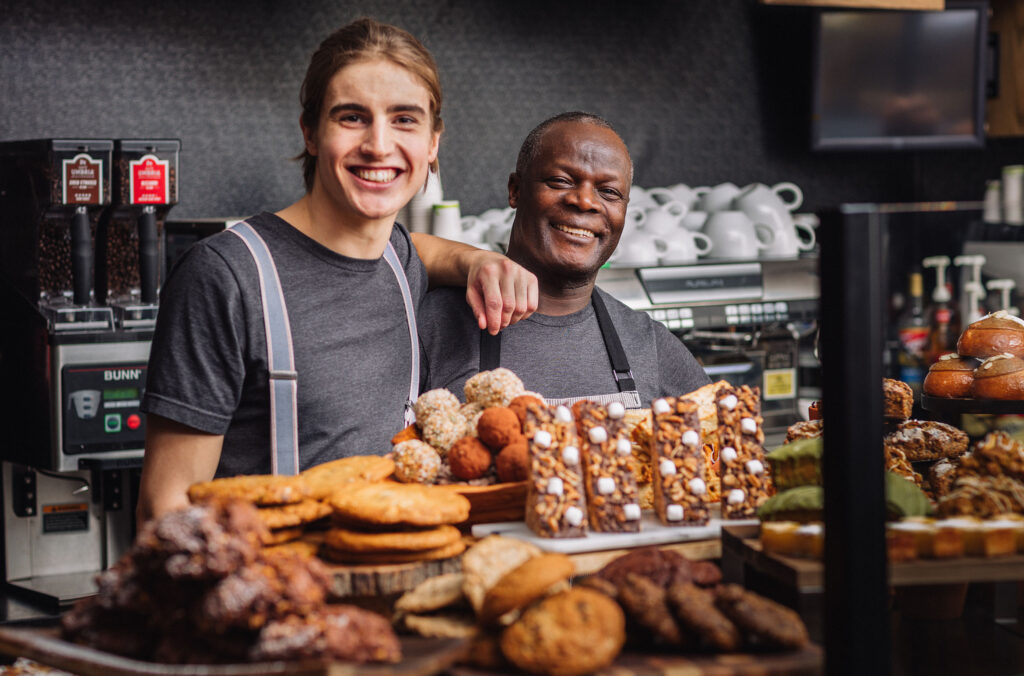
point(677, 463)
point(556, 504)
point(657, 565)
point(613, 499)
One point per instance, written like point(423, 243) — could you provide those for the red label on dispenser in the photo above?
point(149, 181)
point(83, 180)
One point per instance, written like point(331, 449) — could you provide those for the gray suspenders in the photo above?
point(284, 428)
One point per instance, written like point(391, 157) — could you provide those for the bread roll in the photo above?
point(994, 334)
point(1000, 377)
point(951, 376)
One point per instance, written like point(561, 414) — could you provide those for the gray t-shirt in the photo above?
point(557, 357)
point(208, 366)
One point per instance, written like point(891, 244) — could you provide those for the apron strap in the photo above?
point(490, 358)
point(490, 351)
point(391, 256)
point(620, 364)
point(284, 428)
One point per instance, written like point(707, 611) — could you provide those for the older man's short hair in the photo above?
point(531, 146)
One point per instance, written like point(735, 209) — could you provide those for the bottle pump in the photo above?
point(974, 291)
point(1005, 288)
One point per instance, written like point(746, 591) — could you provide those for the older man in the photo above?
point(570, 190)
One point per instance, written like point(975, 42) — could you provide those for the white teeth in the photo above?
point(574, 231)
point(376, 175)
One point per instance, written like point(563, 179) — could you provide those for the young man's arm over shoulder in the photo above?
point(500, 291)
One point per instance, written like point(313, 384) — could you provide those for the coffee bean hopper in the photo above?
point(78, 287)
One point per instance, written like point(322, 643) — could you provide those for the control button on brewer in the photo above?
point(687, 323)
point(781, 307)
point(673, 313)
point(133, 421)
point(660, 315)
point(685, 312)
point(730, 309)
point(744, 309)
point(674, 324)
point(112, 423)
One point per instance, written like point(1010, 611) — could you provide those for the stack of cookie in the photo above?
point(388, 522)
point(515, 602)
point(285, 503)
point(290, 506)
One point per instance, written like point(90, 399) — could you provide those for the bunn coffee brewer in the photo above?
point(75, 333)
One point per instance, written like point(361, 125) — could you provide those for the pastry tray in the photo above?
point(808, 575)
point(958, 405)
point(652, 532)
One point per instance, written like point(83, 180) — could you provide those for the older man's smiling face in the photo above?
point(570, 201)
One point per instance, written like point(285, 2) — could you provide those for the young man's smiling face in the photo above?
point(570, 201)
point(374, 140)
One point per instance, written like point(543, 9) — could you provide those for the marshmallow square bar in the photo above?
point(745, 483)
point(677, 463)
point(556, 500)
point(609, 481)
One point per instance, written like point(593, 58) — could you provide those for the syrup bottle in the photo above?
point(913, 337)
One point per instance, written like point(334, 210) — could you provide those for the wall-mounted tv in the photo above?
point(893, 79)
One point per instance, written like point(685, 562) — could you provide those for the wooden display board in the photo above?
point(808, 575)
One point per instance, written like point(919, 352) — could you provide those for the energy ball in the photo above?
point(513, 463)
point(443, 428)
point(416, 462)
point(493, 388)
point(471, 412)
point(469, 459)
point(522, 402)
point(498, 427)
point(433, 402)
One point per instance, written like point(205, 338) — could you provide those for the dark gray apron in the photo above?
point(490, 358)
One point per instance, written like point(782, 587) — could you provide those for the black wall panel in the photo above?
point(703, 91)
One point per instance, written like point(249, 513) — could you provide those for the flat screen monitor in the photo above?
point(886, 79)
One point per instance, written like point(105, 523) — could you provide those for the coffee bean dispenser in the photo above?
point(130, 234)
point(77, 307)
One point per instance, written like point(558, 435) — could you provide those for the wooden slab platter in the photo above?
point(421, 657)
point(807, 662)
point(497, 502)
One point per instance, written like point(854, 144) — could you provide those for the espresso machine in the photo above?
point(79, 271)
point(749, 322)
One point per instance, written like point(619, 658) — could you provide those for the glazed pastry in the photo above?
point(1000, 377)
point(997, 333)
point(951, 376)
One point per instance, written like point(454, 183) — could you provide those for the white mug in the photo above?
point(798, 195)
point(682, 247)
point(734, 235)
point(664, 219)
point(641, 198)
point(694, 220)
point(638, 250)
point(474, 231)
point(718, 198)
point(763, 205)
point(447, 220)
point(680, 192)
